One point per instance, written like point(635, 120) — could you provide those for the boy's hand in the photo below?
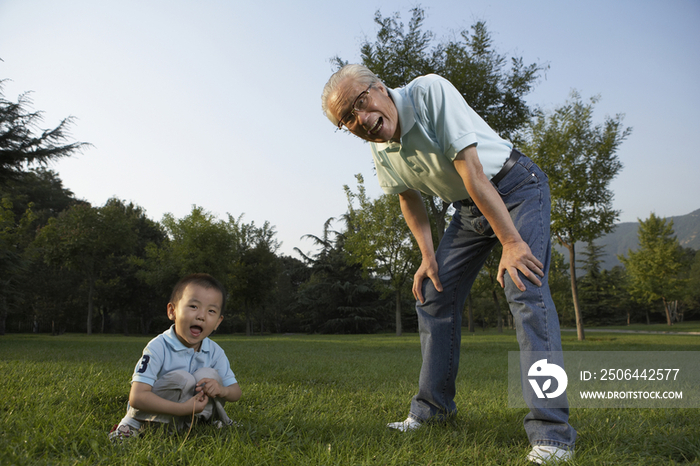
point(210, 387)
point(200, 401)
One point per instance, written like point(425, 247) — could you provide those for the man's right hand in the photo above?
point(428, 269)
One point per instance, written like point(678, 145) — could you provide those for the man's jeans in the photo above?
point(463, 250)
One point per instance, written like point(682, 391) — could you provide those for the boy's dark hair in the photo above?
point(202, 279)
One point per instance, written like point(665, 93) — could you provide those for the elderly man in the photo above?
point(425, 138)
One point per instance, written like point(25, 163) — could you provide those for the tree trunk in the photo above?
point(399, 326)
point(125, 323)
point(91, 290)
point(674, 311)
point(498, 311)
point(438, 212)
point(470, 313)
point(3, 315)
point(574, 290)
point(668, 312)
point(499, 317)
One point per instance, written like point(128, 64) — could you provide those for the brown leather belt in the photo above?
point(510, 163)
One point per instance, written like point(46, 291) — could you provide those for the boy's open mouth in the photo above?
point(195, 330)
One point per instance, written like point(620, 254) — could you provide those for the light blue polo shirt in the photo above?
point(166, 353)
point(436, 124)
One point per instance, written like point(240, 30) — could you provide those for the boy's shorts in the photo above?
point(179, 386)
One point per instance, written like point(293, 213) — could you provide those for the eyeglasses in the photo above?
point(360, 104)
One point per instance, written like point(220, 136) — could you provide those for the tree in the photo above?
point(120, 294)
point(20, 146)
point(602, 291)
point(487, 286)
point(494, 86)
point(43, 189)
point(338, 297)
point(379, 239)
point(241, 256)
point(691, 297)
point(560, 287)
point(654, 267)
point(196, 243)
point(580, 159)
point(293, 274)
point(84, 239)
point(252, 275)
point(13, 238)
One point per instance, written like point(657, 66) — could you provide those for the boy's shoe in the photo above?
point(119, 433)
point(221, 424)
point(409, 424)
point(544, 454)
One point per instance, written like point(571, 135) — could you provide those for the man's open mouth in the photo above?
point(377, 126)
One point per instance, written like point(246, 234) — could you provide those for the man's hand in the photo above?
point(428, 269)
point(518, 257)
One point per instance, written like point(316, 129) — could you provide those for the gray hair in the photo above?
point(358, 73)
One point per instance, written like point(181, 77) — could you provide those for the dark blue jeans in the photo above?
point(463, 250)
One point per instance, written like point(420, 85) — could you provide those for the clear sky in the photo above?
point(216, 103)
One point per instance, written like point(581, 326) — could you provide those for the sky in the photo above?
point(216, 103)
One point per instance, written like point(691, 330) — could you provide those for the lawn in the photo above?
point(693, 326)
point(316, 400)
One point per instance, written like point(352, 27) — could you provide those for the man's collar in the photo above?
point(404, 108)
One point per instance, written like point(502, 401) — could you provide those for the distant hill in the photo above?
point(624, 237)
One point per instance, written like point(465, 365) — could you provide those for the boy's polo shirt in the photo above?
point(166, 353)
point(436, 124)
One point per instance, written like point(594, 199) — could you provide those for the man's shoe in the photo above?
point(544, 454)
point(405, 426)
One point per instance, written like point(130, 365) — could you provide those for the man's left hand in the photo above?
point(518, 257)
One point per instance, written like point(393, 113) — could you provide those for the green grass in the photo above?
point(315, 400)
point(693, 326)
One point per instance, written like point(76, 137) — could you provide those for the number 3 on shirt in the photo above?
point(144, 364)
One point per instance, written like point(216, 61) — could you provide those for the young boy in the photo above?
point(182, 372)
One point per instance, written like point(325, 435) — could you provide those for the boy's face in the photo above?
point(196, 315)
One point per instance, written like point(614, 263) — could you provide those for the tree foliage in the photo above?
point(22, 143)
point(654, 267)
point(494, 85)
point(338, 297)
point(581, 160)
point(378, 238)
point(603, 292)
point(88, 240)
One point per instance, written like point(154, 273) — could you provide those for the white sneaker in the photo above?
point(544, 454)
point(121, 432)
point(405, 426)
